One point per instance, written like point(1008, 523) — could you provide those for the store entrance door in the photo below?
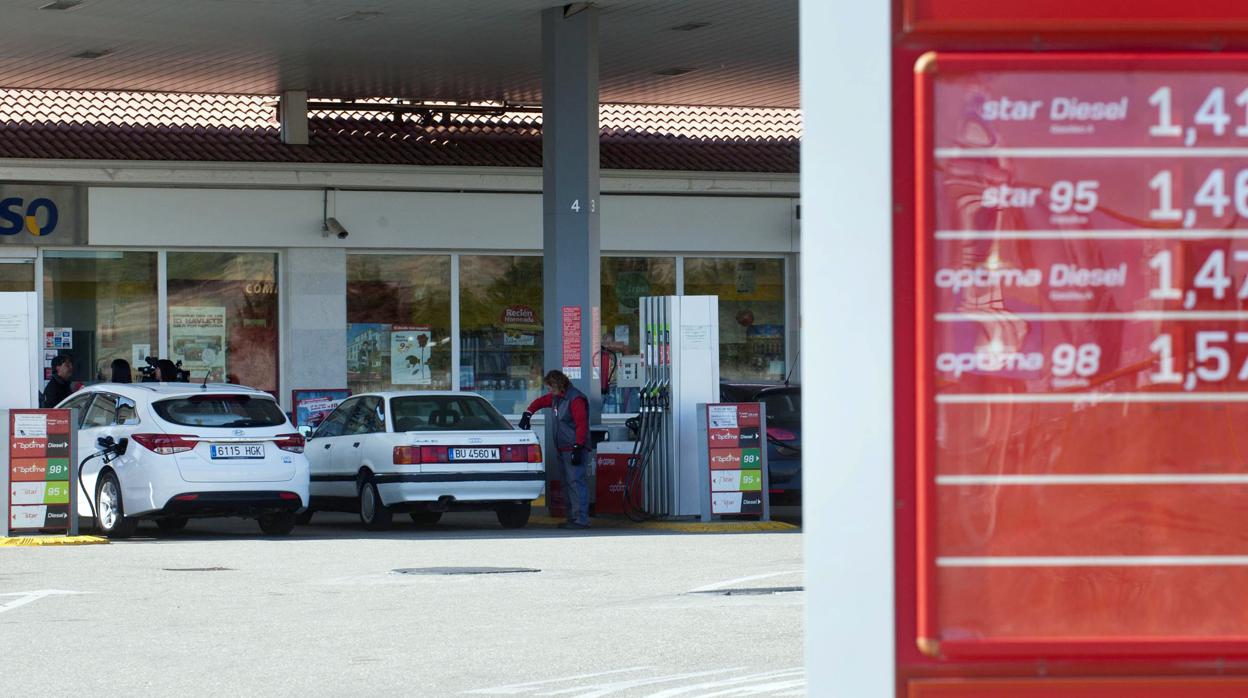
point(19, 347)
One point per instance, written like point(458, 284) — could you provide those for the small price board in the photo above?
point(39, 448)
point(735, 458)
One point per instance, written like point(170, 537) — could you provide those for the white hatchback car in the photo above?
point(423, 453)
point(191, 451)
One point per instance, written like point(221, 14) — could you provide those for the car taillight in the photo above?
point(165, 444)
point(535, 453)
point(289, 442)
point(407, 455)
point(287, 495)
point(780, 434)
point(435, 454)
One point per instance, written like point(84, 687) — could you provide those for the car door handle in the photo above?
point(356, 444)
point(328, 445)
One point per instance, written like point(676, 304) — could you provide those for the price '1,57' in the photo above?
point(1212, 359)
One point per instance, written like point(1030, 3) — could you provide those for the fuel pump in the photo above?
point(680, 351)
point(110, 450)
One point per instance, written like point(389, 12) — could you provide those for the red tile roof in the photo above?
point(238, 128)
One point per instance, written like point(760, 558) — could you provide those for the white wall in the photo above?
point(847, 334)
point(148, 216)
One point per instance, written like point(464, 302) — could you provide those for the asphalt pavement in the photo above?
point(475, 610)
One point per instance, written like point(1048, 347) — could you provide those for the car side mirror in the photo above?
point(305, 431)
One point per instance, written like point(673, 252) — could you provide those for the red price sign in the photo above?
point(1083, 310)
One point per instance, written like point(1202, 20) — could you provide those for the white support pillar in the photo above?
point(847, 343)
point(293, 112)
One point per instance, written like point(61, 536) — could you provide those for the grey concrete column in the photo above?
point(314, 313)
point(570, 202)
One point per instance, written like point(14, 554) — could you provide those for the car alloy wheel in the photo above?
point(110, 509)
point(108, 505)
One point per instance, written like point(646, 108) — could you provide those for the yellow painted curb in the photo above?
point(42, 541)
point(680, 526)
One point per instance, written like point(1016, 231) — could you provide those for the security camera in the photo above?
point(333, 226)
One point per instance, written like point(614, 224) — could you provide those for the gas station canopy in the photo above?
point(698, 52)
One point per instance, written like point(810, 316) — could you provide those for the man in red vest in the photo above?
point(571, 409)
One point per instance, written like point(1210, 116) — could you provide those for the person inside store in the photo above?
point(120, 372)
point(60, 386)
point(571, 411)
point(167, 371)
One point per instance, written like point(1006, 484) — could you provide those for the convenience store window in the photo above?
point(751, 314)
point(398, 322)
point(101, 305)
point(222, 314)
point(500, 317)
point(624, 281)
point(17, 275)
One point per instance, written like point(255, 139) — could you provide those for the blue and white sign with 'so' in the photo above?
point(40, 215)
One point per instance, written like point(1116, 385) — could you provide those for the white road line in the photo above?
point(1101, 152)
point(1145, 315)
point(608, 688)
point(1097, 561)
point(758, 689)
point(1077, 479)
point(681, 690)
point(1127, 234)
point(1023, 398)
point(25, 597)
point(738, 580)
point(517, 688)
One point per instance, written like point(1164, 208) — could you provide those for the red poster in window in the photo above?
point(1083, 395)
point(572, 341)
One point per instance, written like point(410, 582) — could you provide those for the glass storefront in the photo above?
point(223, 316)
point(398, 322)
point(500, 316)
point(624, 281)
point(102, 306)
point(221, 311)
point(751, 314)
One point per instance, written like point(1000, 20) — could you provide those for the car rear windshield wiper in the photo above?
point(249, 423)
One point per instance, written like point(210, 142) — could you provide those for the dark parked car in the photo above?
point(784, 435)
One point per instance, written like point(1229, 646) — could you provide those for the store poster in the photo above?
point(197, 338)
point(410, 351)
point(368, 350)
point(311, 407)
point(58, 338)
point(519, 325)
point(571, 327)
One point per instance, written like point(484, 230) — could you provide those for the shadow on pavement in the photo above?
point(345, 526)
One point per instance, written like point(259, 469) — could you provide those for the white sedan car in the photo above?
point(190, 451)
point(423, 453)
